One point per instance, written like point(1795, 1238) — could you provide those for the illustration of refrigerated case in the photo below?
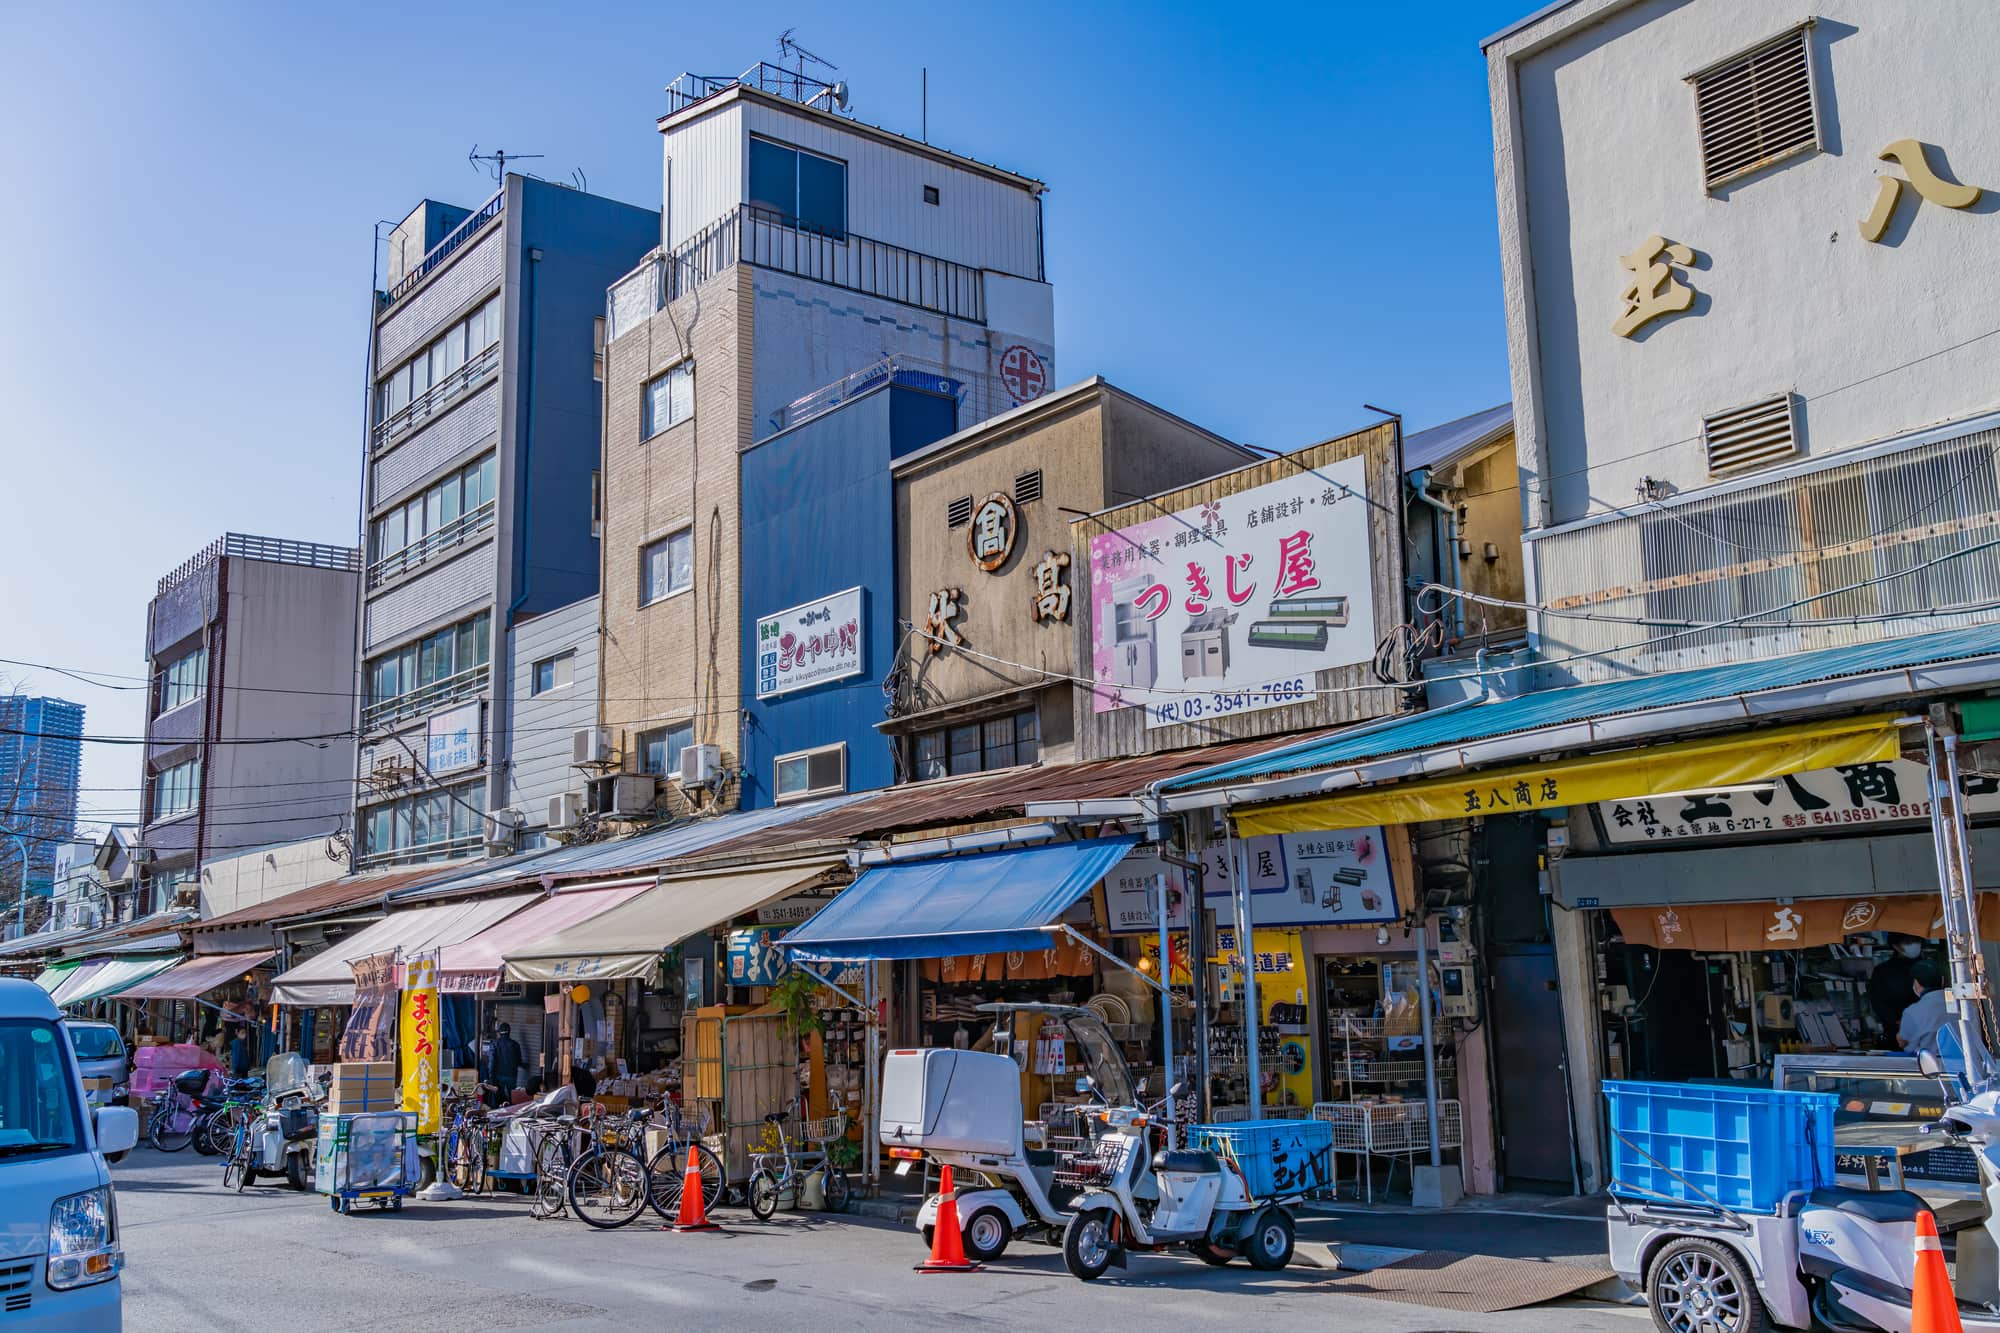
point(1134, 651)
point(1306, 635)
point(1328, 610)
point(1205, 645)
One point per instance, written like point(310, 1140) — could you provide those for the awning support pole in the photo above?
point(870, 1086)
point(1430, 1052)
point(1108, 956)
point(848, 996)
point(1954, 865)
point(1253, 1016)
point(1166, 1009)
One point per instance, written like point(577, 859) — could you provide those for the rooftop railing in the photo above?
point(446, 247)
point(278, 550)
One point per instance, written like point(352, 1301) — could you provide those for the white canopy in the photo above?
point(325, 978)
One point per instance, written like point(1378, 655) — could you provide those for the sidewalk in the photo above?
point(1508, 1226)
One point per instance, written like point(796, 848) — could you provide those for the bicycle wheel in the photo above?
point(837, 1188)
point(764, 1190)
point(607, 1187)
point(171, 1127)
point(551, 1176)
point(212, 1134)
point(466, 1158)
point(668, 1171)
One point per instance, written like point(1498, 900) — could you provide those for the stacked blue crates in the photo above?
point(1742, 1148)
point(1278, 1157)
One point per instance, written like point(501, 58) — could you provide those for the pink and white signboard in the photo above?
point(1236, 604)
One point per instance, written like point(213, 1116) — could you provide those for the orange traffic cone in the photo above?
point(694, 1209)
point(947, 1245)
point(1933, 1308)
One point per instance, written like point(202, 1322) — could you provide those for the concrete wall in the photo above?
point(244, 879)
point(539, 751)
point(1596, 149)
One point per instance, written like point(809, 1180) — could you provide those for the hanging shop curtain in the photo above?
point(1059, 956)
point(1802, 924)
point(952, 907)
point(1716, 761)
point(371, 1028)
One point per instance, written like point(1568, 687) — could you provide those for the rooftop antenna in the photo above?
point(495, 162)
point(798, 55)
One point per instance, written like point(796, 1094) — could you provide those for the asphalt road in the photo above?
point(201, 1259)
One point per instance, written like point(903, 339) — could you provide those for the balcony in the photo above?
point(773, 241)
point(455, 533)
point(446, 248)
point(425, 700)
point(435, 399)
point(449, 849)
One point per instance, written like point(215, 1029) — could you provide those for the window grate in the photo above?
point(1028, 487)
point(959, 512)
point(1756, 108)
point(1750, 436)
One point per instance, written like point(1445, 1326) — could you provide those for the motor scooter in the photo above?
point(285, 1135)
point(1155, 1197)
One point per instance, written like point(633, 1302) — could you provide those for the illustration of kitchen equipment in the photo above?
point(1205, 645)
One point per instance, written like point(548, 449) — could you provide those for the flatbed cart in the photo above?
point(371, 1156)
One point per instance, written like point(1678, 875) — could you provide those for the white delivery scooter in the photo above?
point(963, 1109)
point(1842, 1257)
point(1155, 1200)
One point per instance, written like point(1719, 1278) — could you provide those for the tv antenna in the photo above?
point(835, 92)
point(495, 162)
point(789, 49)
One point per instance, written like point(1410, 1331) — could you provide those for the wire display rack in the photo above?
point(1387, 1129)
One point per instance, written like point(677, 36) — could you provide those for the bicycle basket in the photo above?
point(1091, 1166)
point(819, 1131)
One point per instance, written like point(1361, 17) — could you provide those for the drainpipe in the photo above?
point(1447, 563)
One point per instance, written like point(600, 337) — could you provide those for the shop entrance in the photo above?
point(1531, 1099)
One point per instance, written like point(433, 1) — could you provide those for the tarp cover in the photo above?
point(112, 977)
point(196, 976)
point(474, 965)
point(627, 941)
point(325, 979)
point(992, 902)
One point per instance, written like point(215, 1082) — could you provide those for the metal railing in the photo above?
point(446, 849)
point(278, 550)
point(446, 247)
point(433, 400)
point(793, 86)
point(907, 371)
point(466, 525)
point(428, 699)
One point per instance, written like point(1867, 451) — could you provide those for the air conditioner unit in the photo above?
point(591, 745)
point(633, 794)
point(503, 828)
point(142, 856)
point(566, 810)
point(700, 764)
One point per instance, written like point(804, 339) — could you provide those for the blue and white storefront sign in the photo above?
point(456, 740)
point(810, 644)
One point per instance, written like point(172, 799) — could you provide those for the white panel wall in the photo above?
point(446, 294)
point(704, 173)
point(543, 724)
point(446, 590)
point(1597, 149)
point(468, 426)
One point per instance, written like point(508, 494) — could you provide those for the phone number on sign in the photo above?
point(1225, 703)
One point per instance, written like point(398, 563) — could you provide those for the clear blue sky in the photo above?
point(1259, 217)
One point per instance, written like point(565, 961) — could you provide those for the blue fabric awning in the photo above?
point(947, 907)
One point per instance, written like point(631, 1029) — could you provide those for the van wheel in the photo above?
point(986, 1234)
point(1698, 1284)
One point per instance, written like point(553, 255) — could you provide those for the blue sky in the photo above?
point(1259, 219)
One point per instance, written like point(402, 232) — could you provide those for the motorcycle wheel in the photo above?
point(205, 1137)
point(1208, 1254)
point(1087, 1244)
point(295, 1171)
point(1269, 1244)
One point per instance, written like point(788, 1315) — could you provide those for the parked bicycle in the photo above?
point(466, 1142)
point(666, 1169)
point(215, 1131)
point(784, 1182)
point(556, 1152)
point(607, 1185)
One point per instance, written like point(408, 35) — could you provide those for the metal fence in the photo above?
point(279, 550)
point(445, 248)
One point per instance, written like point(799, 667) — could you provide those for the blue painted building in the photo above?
point(41, 750)
point(819, 575)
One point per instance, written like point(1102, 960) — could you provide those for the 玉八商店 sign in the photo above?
point(809, 644)
point(1235, 604)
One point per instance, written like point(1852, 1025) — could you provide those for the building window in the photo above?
point(597, 504)
point(931, 194)
point(176, 790)
point(669, 399)
point(597, 349)
point(440, 360)
point(442, 514)
point(430, 672)
point(666, 566)
point(424, 826)
point(800, 187)
point(184, 679)
point(554, 673)
point(167, 885)
point(812, 772)
point(1756, 108)
point(660, 749)
point(975, 747)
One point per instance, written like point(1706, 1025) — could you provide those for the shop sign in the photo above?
point(754, 958)
point(810, 644)
point(423, 1089)
point(469, 983)
point(989, 538)
point(1130, 895)
point(370, 1034)
point(1338, 878)
point(1236, 604)
point(1799, 924)
point(454, 739)
point(792, 911)
point(1890, 791)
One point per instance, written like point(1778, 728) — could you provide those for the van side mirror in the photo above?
point(117, 1129)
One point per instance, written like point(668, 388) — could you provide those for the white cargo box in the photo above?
point(948, 1099)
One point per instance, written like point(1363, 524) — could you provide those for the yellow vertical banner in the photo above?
point(422, 1069)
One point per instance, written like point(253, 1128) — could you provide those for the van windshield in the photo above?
point(38, 1112)
point(95, 1041)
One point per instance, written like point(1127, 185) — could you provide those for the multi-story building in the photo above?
point(250, 645)
point(41, 749)
point(798, 246)
point(480, 498)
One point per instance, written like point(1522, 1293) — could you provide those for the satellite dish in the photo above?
point(840, 94)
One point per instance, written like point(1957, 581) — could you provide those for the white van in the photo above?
point(59, 1249)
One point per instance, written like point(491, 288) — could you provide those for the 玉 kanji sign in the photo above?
point(810, 644)
point(1237, 603)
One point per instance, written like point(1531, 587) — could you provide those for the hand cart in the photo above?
point(372, 1155)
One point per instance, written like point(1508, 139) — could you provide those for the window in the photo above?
point(554, 673)
point(438, 361)
point(800, 187)
point(930, 194)
point(435, 657)
point(975, 747)
point(424, 826)
point(38, 1094)
point(465, 493)
point(660, 749)
point(812, 772)
point(666, 567)
point(176, 790)
point(597, 504)
point(597, 349)
point(184, 679)
point(167, 885)
point(1756, 108)
point(669, 399)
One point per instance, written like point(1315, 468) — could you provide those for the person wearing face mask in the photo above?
point(1889, 992)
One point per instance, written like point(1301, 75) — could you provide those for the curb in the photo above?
point(883, 1210)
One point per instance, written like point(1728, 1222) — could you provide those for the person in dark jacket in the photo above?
point(503, 1063)
point(1889, 991)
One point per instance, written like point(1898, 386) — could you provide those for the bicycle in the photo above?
point(240, 1171)
point(608, 1185)
point(666, 1170)
point(768, 1187)
point(555, 1154)
point(173, 1119)
point(215, 1131)
point(465, 1143)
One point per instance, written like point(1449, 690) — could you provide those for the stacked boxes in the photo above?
point(360, 1086)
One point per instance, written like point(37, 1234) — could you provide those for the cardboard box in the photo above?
point(360, 1086)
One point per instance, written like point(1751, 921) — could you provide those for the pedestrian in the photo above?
point(1889, 992)
point(1928, 1016)
point(503, 1063)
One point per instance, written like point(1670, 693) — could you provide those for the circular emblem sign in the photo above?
point(1023, 373)
point(990, 539)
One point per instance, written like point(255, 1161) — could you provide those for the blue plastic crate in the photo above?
point(1278, 1157)
point(1743, 1148)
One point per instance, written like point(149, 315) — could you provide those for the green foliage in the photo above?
point(797, 994)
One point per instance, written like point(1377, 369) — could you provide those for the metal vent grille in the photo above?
point(1749, 436)
point(1756, 108)
point(1028, 487)
point(14, 1283)
point(959, 512)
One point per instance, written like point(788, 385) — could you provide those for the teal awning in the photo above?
point(109, 976)
point(54, 975)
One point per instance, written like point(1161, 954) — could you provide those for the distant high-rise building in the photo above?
point(41, 748)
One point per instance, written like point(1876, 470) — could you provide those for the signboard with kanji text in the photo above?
point(1825, 800)
point(808, 645)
